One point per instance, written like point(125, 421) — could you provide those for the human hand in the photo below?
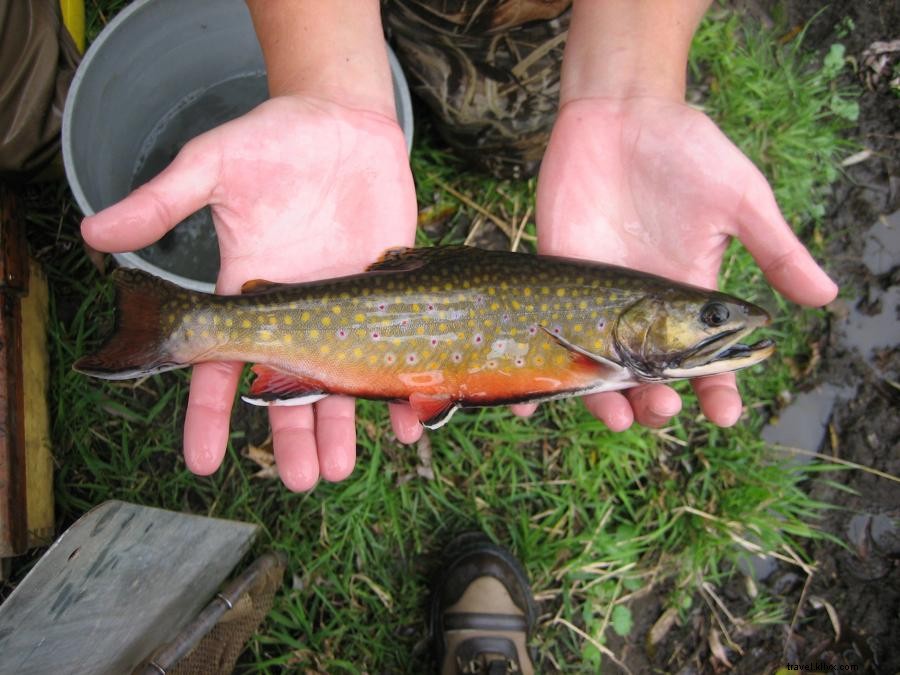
point(652, 184)
point(300, 188)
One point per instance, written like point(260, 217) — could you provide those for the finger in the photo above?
point(294, 443)
point(336, 436)
point(523, 409)
point(783, 259)
point(407, 426)
point(654, 404)
point(611, 408)
point(153, 209)
point(213, 386)
point(719, 398)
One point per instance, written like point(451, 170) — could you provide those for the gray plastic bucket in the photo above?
point(150, 63)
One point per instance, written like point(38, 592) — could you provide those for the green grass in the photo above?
point(594, 516)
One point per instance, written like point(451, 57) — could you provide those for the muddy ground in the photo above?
point(849, 612)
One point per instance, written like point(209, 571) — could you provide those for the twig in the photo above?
point(521, 229)
point(838, 460)
point(507, 229)
point(600, 648)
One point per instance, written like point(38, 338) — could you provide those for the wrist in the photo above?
point(327, 49)
point(622, 49)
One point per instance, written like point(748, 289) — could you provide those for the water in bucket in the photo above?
point(191, 249)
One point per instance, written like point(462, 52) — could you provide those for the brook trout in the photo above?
point(441, 328)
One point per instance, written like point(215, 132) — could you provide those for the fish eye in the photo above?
point(714, 314)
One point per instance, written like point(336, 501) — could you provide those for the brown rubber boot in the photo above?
point(482, 611)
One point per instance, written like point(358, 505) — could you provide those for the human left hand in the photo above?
point(651, 184)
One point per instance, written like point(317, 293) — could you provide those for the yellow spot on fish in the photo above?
point(613, 297)
point(582, 305)
point(205, 335)
point(420, 330)
point(526, 291)
point(396, 341)
point(314, 333)
point(188, 333)
point(516, 304)
point(287, 319)
point(559, 360)
point(304, 316)
point(273, 321)
point(545, 307)
point(246, 323)
point(495, 306)
point(372, 358)
point(598, 344)
point(265, 335)
point(359, 318)
point(324, 350)
point(357, 352)
point(577, 327)
point(220, 335)
point(171, 318)
point(560, 292)
point(287, 338)
point(326, 321)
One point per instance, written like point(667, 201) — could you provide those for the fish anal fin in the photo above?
point(258, 286)
point(585, 357)
point(275, 387)
point(433, 410)
point(404, 259)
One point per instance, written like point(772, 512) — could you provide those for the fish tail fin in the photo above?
point(137, 345)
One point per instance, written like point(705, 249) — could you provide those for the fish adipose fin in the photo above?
point(274, 387)
point(137, 345)
point(433, 410)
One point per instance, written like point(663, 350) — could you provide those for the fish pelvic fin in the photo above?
point(433, 410)
point(276, 387)
point(137, 346)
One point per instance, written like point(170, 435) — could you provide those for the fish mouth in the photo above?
point(719, 354)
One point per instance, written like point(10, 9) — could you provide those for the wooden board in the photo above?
point(117, 584)
point(26, 464)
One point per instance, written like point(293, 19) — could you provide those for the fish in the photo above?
point(441, 328)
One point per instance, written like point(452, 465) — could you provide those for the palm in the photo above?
point(654, 185)
point(300, 189)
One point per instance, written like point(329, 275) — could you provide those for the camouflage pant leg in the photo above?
point(488, 69)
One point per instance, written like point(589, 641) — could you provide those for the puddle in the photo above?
point(882, 249)
point(873, 323)
point(804, 422)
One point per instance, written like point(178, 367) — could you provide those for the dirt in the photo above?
point(848, 613)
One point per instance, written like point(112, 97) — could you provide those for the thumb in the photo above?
point(154, 208)
point(784, 260)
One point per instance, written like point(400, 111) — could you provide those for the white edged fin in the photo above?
point(442, 419)
point(299, 400)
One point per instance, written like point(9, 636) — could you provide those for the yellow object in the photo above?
point(73, 17)
point(35, 368)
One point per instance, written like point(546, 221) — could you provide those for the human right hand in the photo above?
point(301, 188)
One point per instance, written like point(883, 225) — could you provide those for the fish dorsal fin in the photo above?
point(618, 368)
point(404, 259)
point(275, 387)
point(258, 286)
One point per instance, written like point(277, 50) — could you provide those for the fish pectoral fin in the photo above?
point(617, 368)
point(404, 259)
point(275, 387)
point(433, 410)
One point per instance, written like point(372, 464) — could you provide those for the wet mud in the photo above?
point(848, 613)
